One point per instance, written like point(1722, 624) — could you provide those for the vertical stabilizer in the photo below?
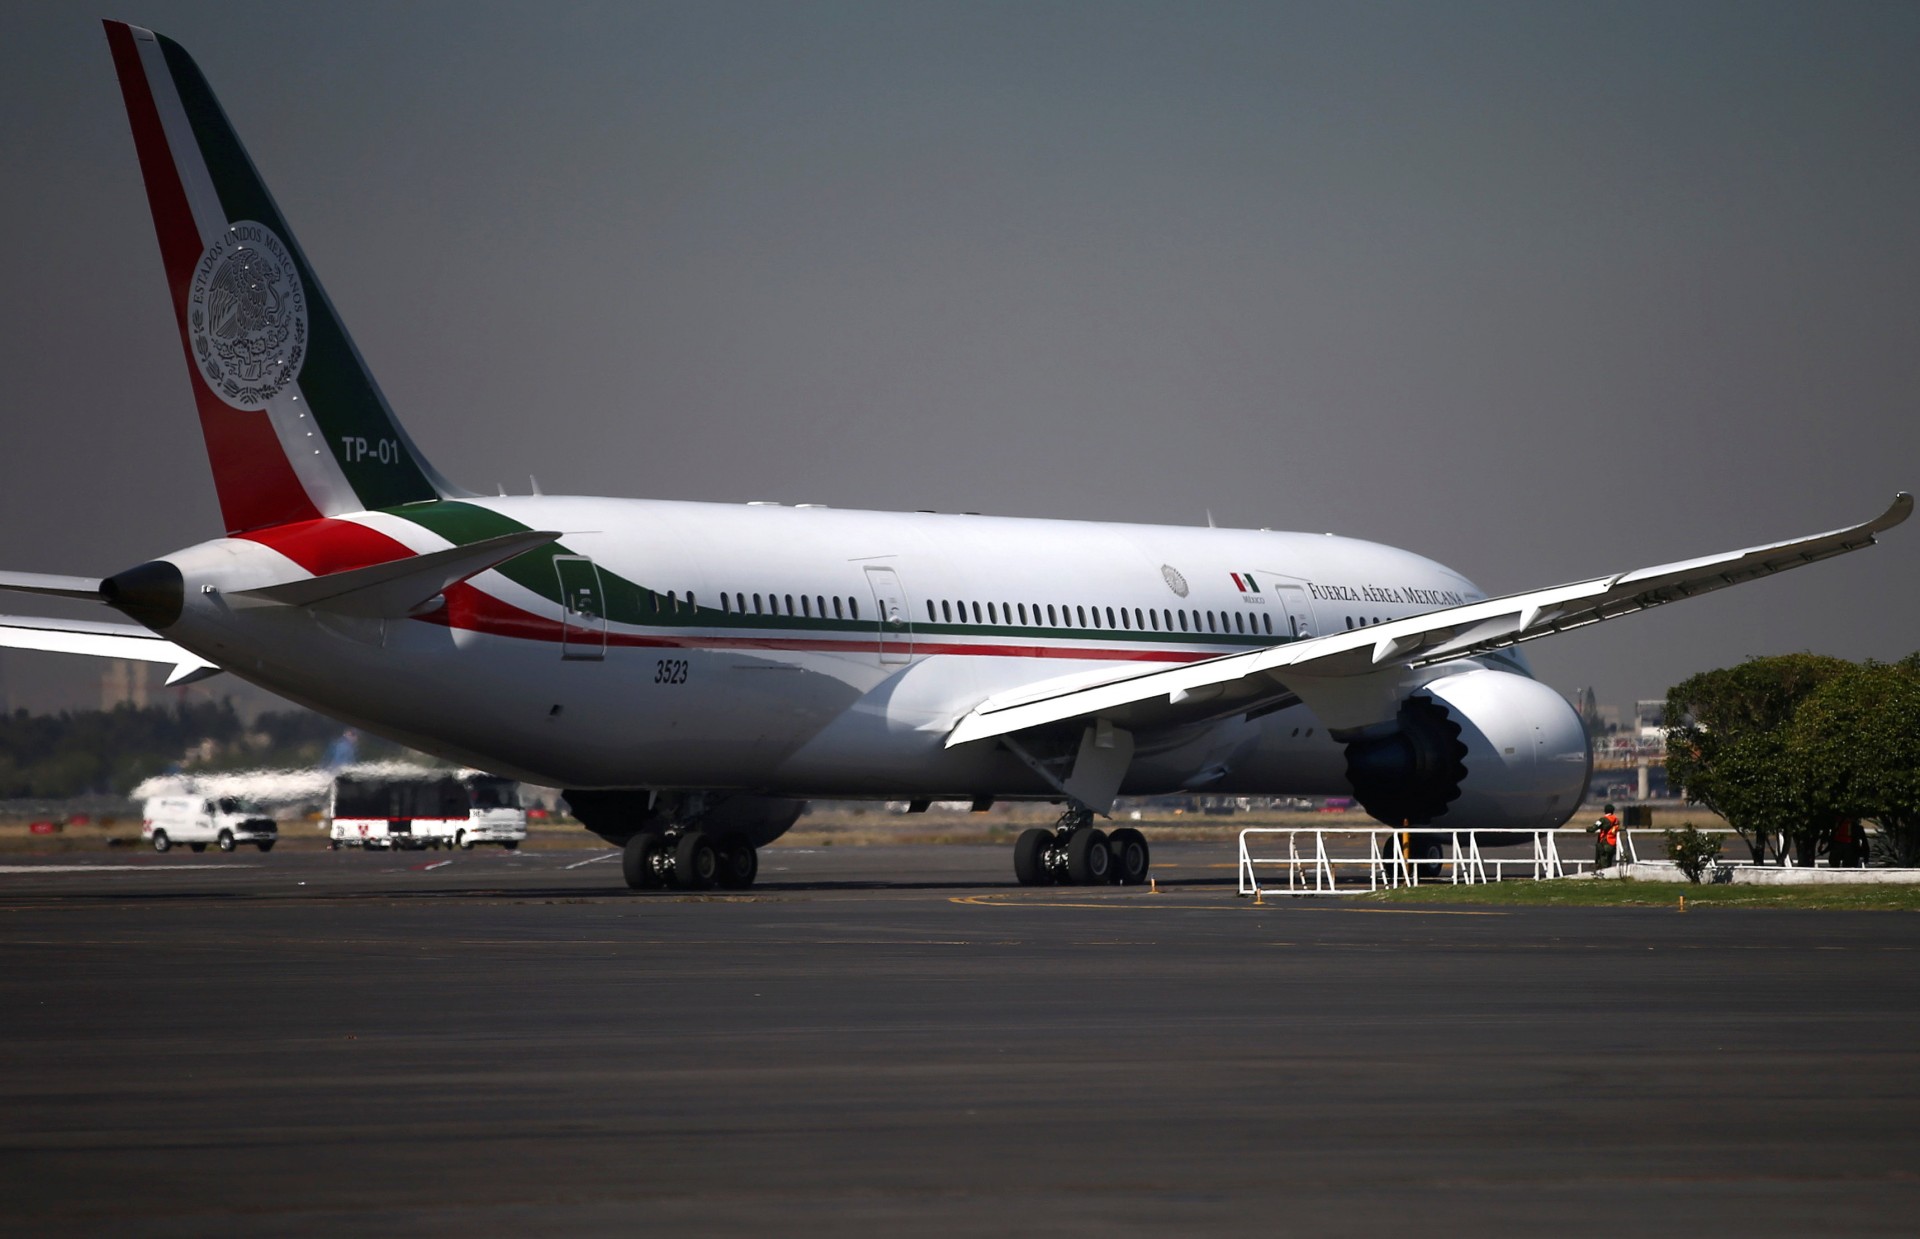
point(295, 426)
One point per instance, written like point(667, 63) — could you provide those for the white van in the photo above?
point(425, 810)
point(197, 821)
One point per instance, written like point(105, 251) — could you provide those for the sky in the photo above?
point(1542, 291)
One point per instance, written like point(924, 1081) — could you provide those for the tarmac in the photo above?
point(879, 1039)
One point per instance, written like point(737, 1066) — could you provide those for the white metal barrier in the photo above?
point(1316, 870)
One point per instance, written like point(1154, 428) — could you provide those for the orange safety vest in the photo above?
point(1610, 830)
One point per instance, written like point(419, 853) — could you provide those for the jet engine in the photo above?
point(1478, 750)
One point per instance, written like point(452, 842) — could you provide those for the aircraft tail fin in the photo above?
point(295, 426)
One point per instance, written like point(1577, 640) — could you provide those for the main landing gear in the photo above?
point(688, 860)
point(1076, 853)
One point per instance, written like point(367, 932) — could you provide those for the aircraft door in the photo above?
point(896, 621)
point(583, 616)
point(1293, 600)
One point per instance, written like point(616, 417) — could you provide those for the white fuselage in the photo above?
point(804, 651)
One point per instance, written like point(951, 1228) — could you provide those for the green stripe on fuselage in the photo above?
point(628, 603)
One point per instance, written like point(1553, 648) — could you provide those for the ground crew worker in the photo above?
point(1606, 838)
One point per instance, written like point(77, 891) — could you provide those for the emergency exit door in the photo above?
point(583, 613)
point(1293, 600)
point(895, 621)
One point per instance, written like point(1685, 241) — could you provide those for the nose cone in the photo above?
point(153, 593)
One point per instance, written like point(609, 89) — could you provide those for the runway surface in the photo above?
point(885, 1038)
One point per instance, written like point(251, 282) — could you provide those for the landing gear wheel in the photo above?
point(1430, 852)
point(226, 841)
point(739, 864)
point(1088, 858)
point(160, 841)
point(694, 862)
point(640, 861)
point(1131, 856)
point(1030, 857)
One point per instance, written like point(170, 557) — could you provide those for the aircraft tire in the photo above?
point(1030, 857)
point(637, 861)
point(1132, 858)
point(739, 864)
point(695, 863)
point(1088, 858)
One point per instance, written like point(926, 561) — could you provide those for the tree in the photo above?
point(1856, 751)
point(1727, 745)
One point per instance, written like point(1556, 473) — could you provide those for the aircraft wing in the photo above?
point(103, 640)
point(1266, 678)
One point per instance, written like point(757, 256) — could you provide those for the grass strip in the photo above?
point(1630, 894)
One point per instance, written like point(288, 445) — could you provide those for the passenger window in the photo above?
point(756, 604)
point(1051, 621)
point(726, 605)
point(1210, 627)
point(819, 605)
point(1239, 622)
point(1168, 617)
point(1110, 620)
point(946, 611)
point(837, 613)
point(1123, 619)
point(1183, 619)
point(931, 614)
point(789, 604)
point(1138, 621)
point(1266, 623)
point(691, 604)
point(1096, 617)
point(993, 616)
point(853, 607)
point(1023, 613)
point(806, 607)
point(976, 613)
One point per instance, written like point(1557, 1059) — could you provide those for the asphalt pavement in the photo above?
point(884, 1039)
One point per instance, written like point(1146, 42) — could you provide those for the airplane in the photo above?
point(693, 673)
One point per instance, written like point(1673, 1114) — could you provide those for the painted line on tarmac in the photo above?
point(431, 865)
point(591, 860)
point(129, 868)
point(1150, 903)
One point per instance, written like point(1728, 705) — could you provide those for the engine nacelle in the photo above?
point(1481, 750)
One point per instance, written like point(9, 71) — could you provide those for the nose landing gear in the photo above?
point(1076, 853)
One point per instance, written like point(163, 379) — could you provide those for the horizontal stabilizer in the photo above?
point(401, 588)
point(103, 640)
point(85, 587)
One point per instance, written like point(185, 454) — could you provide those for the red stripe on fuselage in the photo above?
point(323, 545)
point(251, 474)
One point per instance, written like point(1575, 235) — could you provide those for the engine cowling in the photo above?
point(1479, 750)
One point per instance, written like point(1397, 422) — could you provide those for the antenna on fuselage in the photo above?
point(1210, 524)
point(533, 482)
